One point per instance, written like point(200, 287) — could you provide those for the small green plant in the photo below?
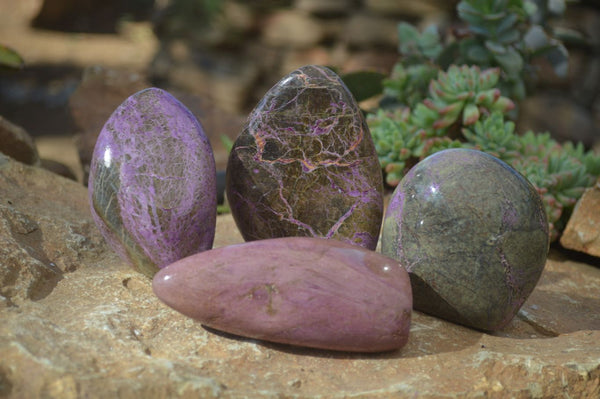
point(418, 65)
point(508, 34)
point(458, 97)
point(10, 59)
point(560, 172)
point(465, 110)
point(431, 104)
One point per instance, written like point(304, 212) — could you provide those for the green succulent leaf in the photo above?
point(413, 43)
point(558, 56)
point(227, 142)
point(478, 54)
point(408, 36)
point(508, 37)
point(458, 94)
point(408, 85)
point(536, 38)
point(530, 7)
point(495, 47)
point(507, 24)
point(470, 114)
point(430, 42)
point(557, 7)
point(510, 61)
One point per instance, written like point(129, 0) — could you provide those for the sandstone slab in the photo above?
point(17, 143)
point(99, 331)
point(305, 164)
point(583, 229)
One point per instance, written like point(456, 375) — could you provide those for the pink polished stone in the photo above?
point(296, 290)
point(152, 182)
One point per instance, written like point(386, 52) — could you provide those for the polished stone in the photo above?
point(295, 290)
point(152, 184)
point(305, 164)
point(473, 235)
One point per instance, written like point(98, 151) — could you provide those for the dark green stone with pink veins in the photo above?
point(473, 235)
point(305, 164)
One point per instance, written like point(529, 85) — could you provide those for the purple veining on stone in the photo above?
point(152, 182)
point(295, 290)
point(305, 164)
point(473, 235)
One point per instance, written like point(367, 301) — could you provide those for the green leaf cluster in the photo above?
point(458, 97)
point(464, 110)
point(560, 172)
point(410, 78)
point(508, 34)
point(430, 104)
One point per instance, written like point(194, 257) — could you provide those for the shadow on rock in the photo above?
point(428, 336)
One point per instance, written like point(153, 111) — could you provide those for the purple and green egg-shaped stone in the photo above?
point(473, 235)
point(305, 164)
point(152, 184)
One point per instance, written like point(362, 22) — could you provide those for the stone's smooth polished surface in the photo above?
point(295, 290)
point(152, 184)
point(305, 164)
point(473, 235)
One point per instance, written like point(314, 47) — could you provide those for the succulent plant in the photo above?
point(458, 97)
point(410, 77)
point(464, 109)
point(430, 104)
point(407, 84)
point(468, 92)
point(416, 46)
point(394, 142)
point(560, 172)
point(509, 34)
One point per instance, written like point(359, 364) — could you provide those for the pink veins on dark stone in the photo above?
point(305, 164)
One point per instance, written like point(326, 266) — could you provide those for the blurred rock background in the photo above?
point(83, 58)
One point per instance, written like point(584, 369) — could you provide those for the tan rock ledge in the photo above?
point(77, 322)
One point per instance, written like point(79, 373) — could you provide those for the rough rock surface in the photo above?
point(97, 330)
point(583, 229)
point(60, 149)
